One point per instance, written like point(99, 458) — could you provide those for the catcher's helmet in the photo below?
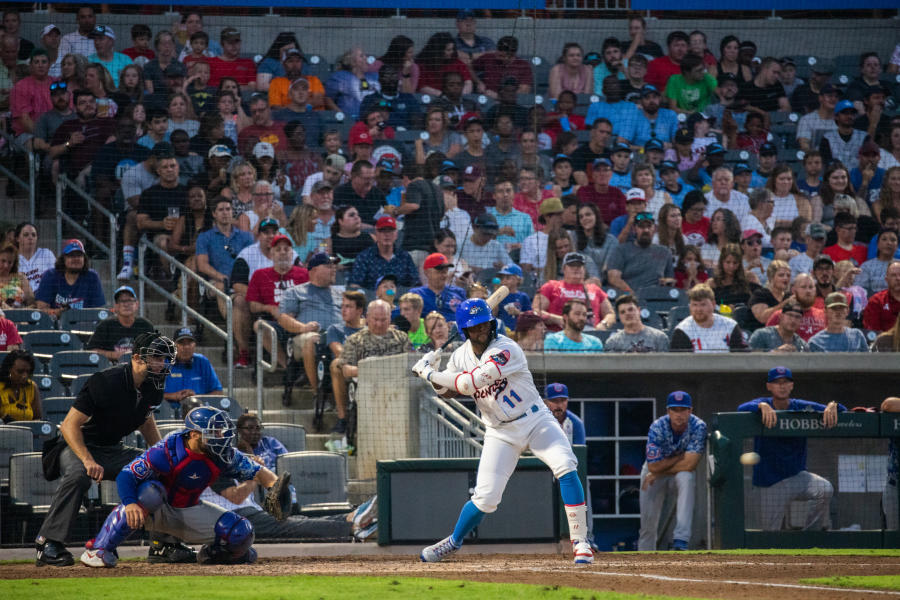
point(474, 311)
point(216, 428)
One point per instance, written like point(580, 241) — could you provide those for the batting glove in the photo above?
point(423, 368)
point(433, 357)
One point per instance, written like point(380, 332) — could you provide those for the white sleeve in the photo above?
point(505, 360)
point(529, 254)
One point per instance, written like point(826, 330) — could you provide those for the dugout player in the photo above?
point(112, 404)
point(781, 477)
point(492, 369)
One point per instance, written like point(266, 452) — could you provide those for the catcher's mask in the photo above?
point(158, 353)
point(216, 429)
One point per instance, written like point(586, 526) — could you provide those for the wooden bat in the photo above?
point(493, 301)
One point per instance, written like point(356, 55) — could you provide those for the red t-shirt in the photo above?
point(693, 233)
point(133, 53)
point(659, 70)
point(9, 335)
point(267, 285)
point(434, 78)
point(553, 129)
point(493, 70)
point(558, 292)
point(881, 311)
point(858, 253)
point(522, 203)
point(611, 202)
point(250, 135)
point(813, 322)
point(241, 69)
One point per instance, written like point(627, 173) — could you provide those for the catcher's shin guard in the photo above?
point(115, 530)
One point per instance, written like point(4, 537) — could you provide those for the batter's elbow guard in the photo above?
point(234, 534)
point(151, 496)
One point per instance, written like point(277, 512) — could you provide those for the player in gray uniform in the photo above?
point(492, 369)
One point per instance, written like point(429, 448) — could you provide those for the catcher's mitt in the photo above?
point(278, 498)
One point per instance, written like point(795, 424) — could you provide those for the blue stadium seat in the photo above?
point(676, 316)
point(40, 431)
point(293, 437)
point(13, 439)
point(66, 366)
point(49, 386)
point(29, 319)
point(77, 383)
point(320, 479)
point(44, 344)
point(83, 321)
point(56, 408)
point(661, 298)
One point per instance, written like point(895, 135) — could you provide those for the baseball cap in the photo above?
point(466, 13)
point(823, 67)
point(768, 149)
point(601, 162)
point(621, 147)
point(823, 259)
point(386, 222)
point(792, 306)
point(73, 246)
point(321, 185)
point(592, 58)
point(219, 150)
point(48, 28)
point(486, 221)
point(436, 260)
point(162, 150)
point(448, 165)
point(386, 166)
point(653, 144)
point(869, 148)
point(561, 158)
point(321, 258)
point(749, 233)
point(268, 223)
point(299, 81)
point(336, 161)
point(649, 89)
point(445, 182)
point(291, 52)
point(122, 289)
point(280, 237)
point(511, 269)
point(263, 149)
point(679, 400)
point(176, 69)
point(635, 195)
point(667, 165)
point(742, 168)
point(551, 206)
point(829, 89)
point(787, 60)
point(472, 173)
point(714, 149)
point(385, 277)
point(360, 137)
point(470, 118)
point(816, 231)
point(844, 105)
point(683, 136)
point(574, 258)
point(776, 373)
point(556, 390)
point(229, 33)
point(836, 299)
point(101, 31)
point(184, 333)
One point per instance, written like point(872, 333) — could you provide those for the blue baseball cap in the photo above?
point(768, 149)
point(448, 165)
point(649, 89)
point(466, 13)
point(714, 149)
point(653, 144)
point(667, 165)
point(73, 246)
point(321, 258)
point(602, 161)
point(268, 222)
point(777, 373)
point(387, 277)
point(742, 168)
point(511, 269)
point(185, 333)
point(844, 105)
point(679, 400)
point(556, 390)
point(621, 147)
point(122, 289)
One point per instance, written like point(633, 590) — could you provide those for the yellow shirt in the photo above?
point(17, 407)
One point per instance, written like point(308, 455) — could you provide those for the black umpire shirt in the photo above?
point(114, 406)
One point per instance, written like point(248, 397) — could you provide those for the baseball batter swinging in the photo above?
point(492, 369)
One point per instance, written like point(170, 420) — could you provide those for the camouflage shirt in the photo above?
point(364, 344)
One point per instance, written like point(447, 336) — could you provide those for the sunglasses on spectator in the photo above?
point(59, 85)
point(643, 217)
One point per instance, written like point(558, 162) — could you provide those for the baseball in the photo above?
point(749, 458)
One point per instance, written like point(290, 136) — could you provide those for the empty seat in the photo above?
point(167, 411)
point(77, 383)
point(68, 365)
point(109, 494)
point(56, 408)
point(320, 479)
point(676, 316)
point(293, 437)
point(225, 403)
point(651, 318)
point(49, 387)
point(45, 343)
point(29, 319)
point(13, 440)
point(40, 431)
point(29, 493)
point(661, 298)
point(83, 321)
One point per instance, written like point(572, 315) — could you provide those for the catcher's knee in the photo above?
point(151, 496)
point(234, 533)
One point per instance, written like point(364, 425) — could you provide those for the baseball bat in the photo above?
point(493, 301)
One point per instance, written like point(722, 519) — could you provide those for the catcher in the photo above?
point(161, 489)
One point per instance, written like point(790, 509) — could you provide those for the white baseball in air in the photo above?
point(749, 458)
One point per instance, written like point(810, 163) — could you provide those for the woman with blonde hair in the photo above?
point(769, 299)
point(668, 232)
point(438, 331)
point(889, 194)
point(99, 82)
point(181, 114)
point(558, 245)
point(643, 176)
point(240, 190)
point(300, 229)
point(72, 70)
point(835, 181)
point(439, 136)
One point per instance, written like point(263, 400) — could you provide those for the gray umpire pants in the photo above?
point(775, 501)
point(332, 528)
point(652, 500)
point(74, 483)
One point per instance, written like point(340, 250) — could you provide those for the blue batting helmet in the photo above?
point(217, 430)
point(473, 311)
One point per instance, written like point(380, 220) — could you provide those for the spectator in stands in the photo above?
point(79, 41)
point(592, 236)
point(400, 56)
point(872, 119)
point(695, 226)
point(30, 98)
point(9, 335)
point(835, 182)
point(51, 38)
point(410, 307)
point(652, 122)
point(438, 57)
point(530, 332)
point(689, 271)
point(71, 283)
point(846, 247)
point(888, 341)
point(11, 24)
point(890, 154)
point(49, 121)
point(230, 63)
point(843, 143)
point(347, 239)
point(530, 197)
point(781, 476)
point(724, 228)
point(549, 301)
point(33, 261)
point(613, 61)
point(275, 64)
point(561, 181)
point(361, 192)
point(760, 217)
point(668, 233)
point(837, 337)
point(732, 282)
point(723, 195)
point(693, 88)
point(383, 258)
point(495, 67)
point(728, 62)
point(114, 336)
point(161, 204)
point(623, 226)
point(166, 52)
point(263, 207)
point(15, 289)
point(332, 172)
point(867, 177)
point(766, 300)
point(514, 225)
point(77, 141)
point(570, 73)
point(662, 68)
point(823, 274)
point(634, 75)
point(584, 156)
point(263, 127)
point(704, 330)
point(131, 84)
point(815, 241)
point(570, 339)
point(788, 202)
point(439, 137)
point(255, 256)
point(534, 251)
point(782, 337)
point(610, 200)
point(873, 271)
point(480, 249)
point(803, 290)
point(765, 92)
point(808, 97)
point(179, 110)
point(399, 109)
point(870, 71)
point(140, 52)
point(788, 78)
point(470, 45)
point(436, 293)
point(298, 108)
point(881, 312)
point(637, 33)
point(20, 399)
point(104, 43)
point(634, 337)
point(641, 263)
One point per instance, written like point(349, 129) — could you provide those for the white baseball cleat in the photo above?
point(126, 273)
point(439, 551)
point(583, 553)
point(99, 558)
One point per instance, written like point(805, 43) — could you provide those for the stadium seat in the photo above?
point(661, 298)
point(83, 321)
point(651, 318)
point(167, 411)
point(29, 493)
point(320, 479)
point(292, 436)
point(227, 404)
point(317, 66)
point(109, 494)
point(676, 316)
point(29, 319)
point(603, 334)
point(45, 343)
point(77, 383)
point(408, 135)
point(48, 386)
point(56, 408)
point(66, 366)
point(40, 432)
point(13, 440)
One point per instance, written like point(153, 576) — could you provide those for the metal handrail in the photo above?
point(31, 186)
point(227, 334)
point(457, 418)
point(64, 182)
point(263, 327)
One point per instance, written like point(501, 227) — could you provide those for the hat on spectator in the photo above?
point(321, 185)
point(48, 28)
point(648, 90)
point(486, 221)
point(714, 149)
point(749, 233)
point(787, 60)
point(185, 333)
point(102, 31)
point(823, 260)
point(291, 52)
point(556, 390)
point(869, 148)
point(263, 149)
point(776, 373)
point(388, 153)
point(574, 258)
point(386, 166)
point(360, 137)
point(742, 168)
point(386, 222)
point(792, 306)
point(73, 245)
point(844, 105)
point(336, 161)
point(299, 81)
point(280, 237)
point(829, 89)
point(816, 231)
point(162, 150)
point(445, 182)
point(654, 144)
point(823, 67)
point(469, 118)
point(466, 13)
point(728, 77)
point(695, 118)
point(601, 162)
point(684, 136)
point(679, 400)
point(592, 58)
point(472, 173)
point(768, 149)
point(551, 206)
point(620, 147)
point(511, 269)
point(436, 260)
point(175, 69)
point(219, 150)
point(747, 45)
point(635, 195)
point(836, 299)
point(123, 289)
point(229, 33)
point(667, 165)
point(385, 277)
point(561, 158)
point(268, 223)
point(321, 258)
point(449, 165)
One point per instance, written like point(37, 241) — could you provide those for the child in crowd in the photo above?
point(516, 302)
point(199, 42)
point(140, 52)
point(621, 160)
point(195, 87)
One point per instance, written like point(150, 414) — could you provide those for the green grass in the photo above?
point(875, 582)
point(295, 586)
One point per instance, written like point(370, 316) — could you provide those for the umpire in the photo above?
point(112, 404)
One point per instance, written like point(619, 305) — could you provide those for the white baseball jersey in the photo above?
point(500, 398)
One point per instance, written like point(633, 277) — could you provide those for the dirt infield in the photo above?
point(700, 576)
